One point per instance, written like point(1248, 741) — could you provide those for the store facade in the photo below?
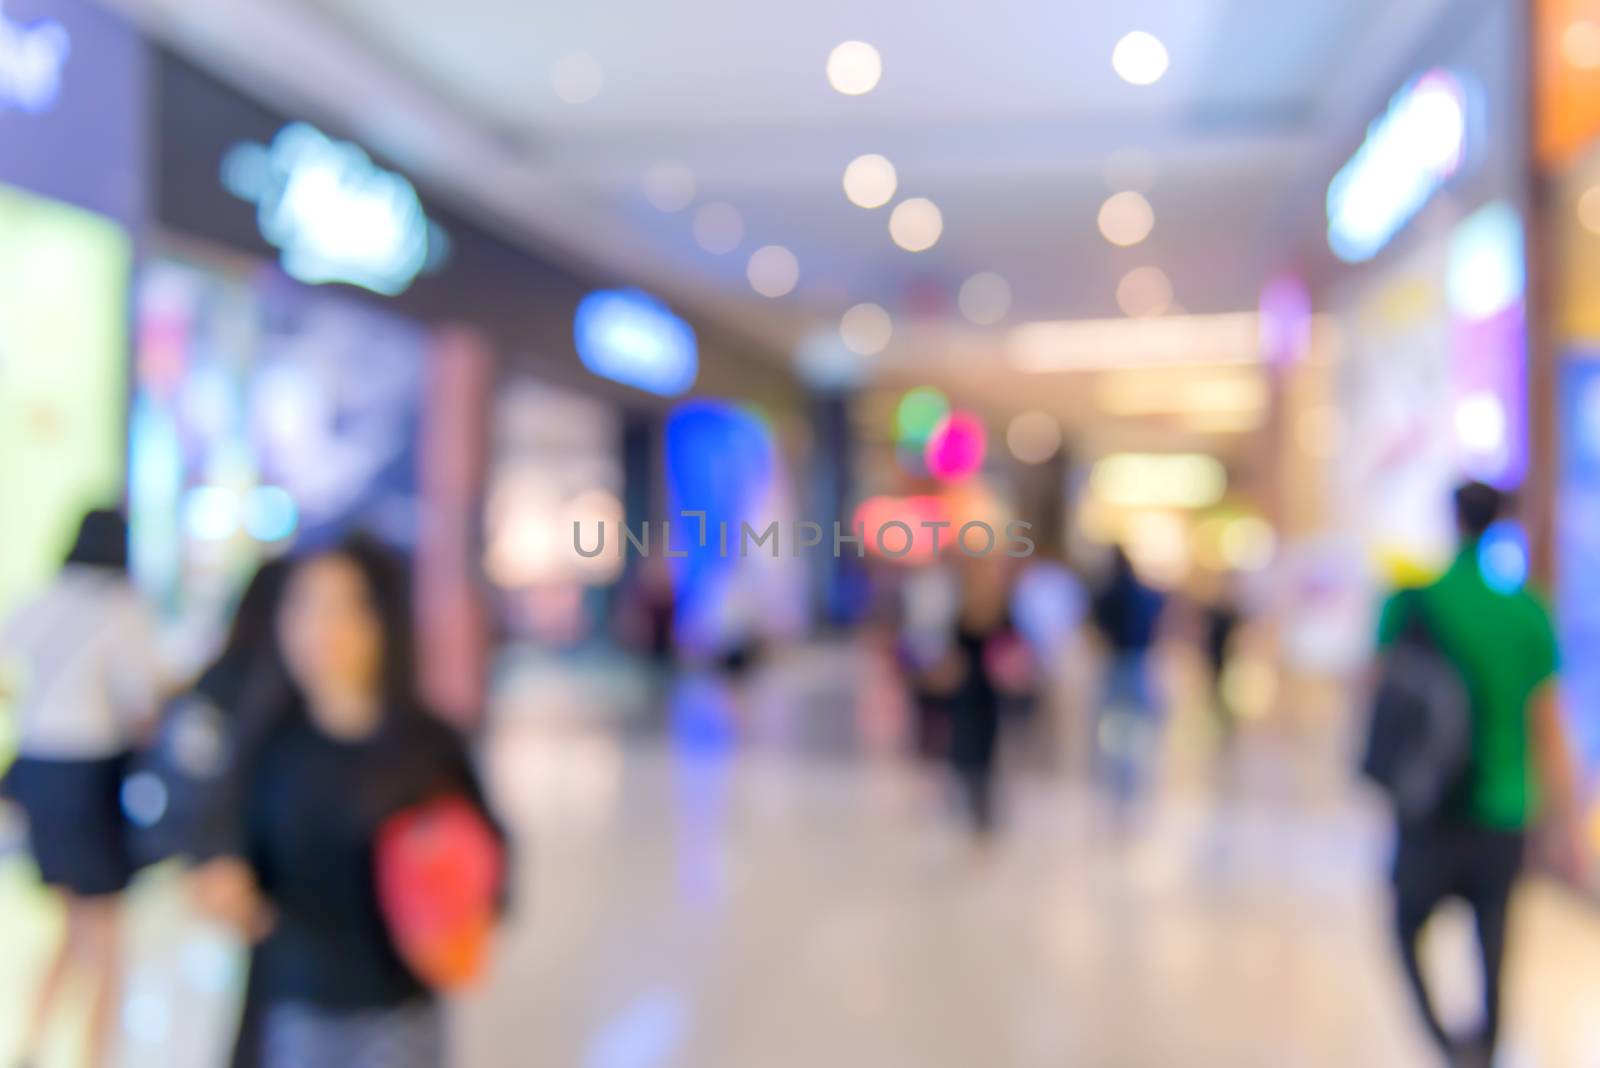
point(325, 348)
point(71, 198)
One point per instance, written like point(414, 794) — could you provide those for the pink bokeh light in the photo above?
point(956, 447)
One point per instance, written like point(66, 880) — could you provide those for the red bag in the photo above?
point(440, 868)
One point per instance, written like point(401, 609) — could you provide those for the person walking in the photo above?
point(92, 678)
point(1126, 614)
point(1502, 647)
point(342, 747)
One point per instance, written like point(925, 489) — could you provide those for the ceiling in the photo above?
point(1004, 114)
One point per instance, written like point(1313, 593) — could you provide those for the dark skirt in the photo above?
point(75, 824)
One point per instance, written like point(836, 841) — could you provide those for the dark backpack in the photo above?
point(1419, 740)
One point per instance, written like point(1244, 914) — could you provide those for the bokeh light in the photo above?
point(270, 514)
point(1140, 58)
point(854, 68)
point(919, 414)
point(866, 329)
point(1503, 557)
point(773, 271)
point(1034, 437)
point(578, 78)
point(870, 181)
point(1589, 209)
point(985, 298)
point(916, 224)
point(1126, 218)
point(1144, 291)
point(956, 447)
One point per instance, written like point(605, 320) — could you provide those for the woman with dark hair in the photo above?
point(200, 731)
point(92, 680)
point(341, 747)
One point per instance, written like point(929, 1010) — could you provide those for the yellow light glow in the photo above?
point(1137, 393)
point(1159, 480)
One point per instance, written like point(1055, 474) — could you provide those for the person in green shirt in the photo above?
point(1503, 645)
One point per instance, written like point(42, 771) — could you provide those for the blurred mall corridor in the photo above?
point(620, 534)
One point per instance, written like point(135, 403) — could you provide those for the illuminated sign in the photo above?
point(31, 58)
point(1410, 152)
point(333, 214)
point(631, 337)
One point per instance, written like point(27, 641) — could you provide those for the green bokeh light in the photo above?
point(920, 411)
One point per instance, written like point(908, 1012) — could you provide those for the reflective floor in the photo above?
point(762, 881)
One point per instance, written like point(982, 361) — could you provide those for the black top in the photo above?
point(1127, 613)
point(312, 807)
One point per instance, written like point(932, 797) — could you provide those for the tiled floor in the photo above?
point(768, 886)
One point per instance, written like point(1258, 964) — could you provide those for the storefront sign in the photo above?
point(631, 337)
point(31, 58)
point(334, 214)
point(1417, 146)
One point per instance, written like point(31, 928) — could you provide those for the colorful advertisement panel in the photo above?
point(63, 343)
point(265, 415)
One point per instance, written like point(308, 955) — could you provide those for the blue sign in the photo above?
point(334, 214)
point(631, 337)
point(1578, 551)
point(1409, 153)
point(31, 58)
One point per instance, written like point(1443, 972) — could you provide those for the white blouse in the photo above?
point(83, 666)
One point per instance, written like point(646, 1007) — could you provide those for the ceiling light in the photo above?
point(1589, 209)
point(916, 224)
point(1112, 344)
point(854, 68)
point(1144, 291)
point(866, 329)
point(1126, 218)
point(1140, 58)
point(985, 298)
point(718, 227)
point(669, 186)
point(577, 78)
point(1034, 437)
point(773, 271)
point(870, 181)
point(1580, 44)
